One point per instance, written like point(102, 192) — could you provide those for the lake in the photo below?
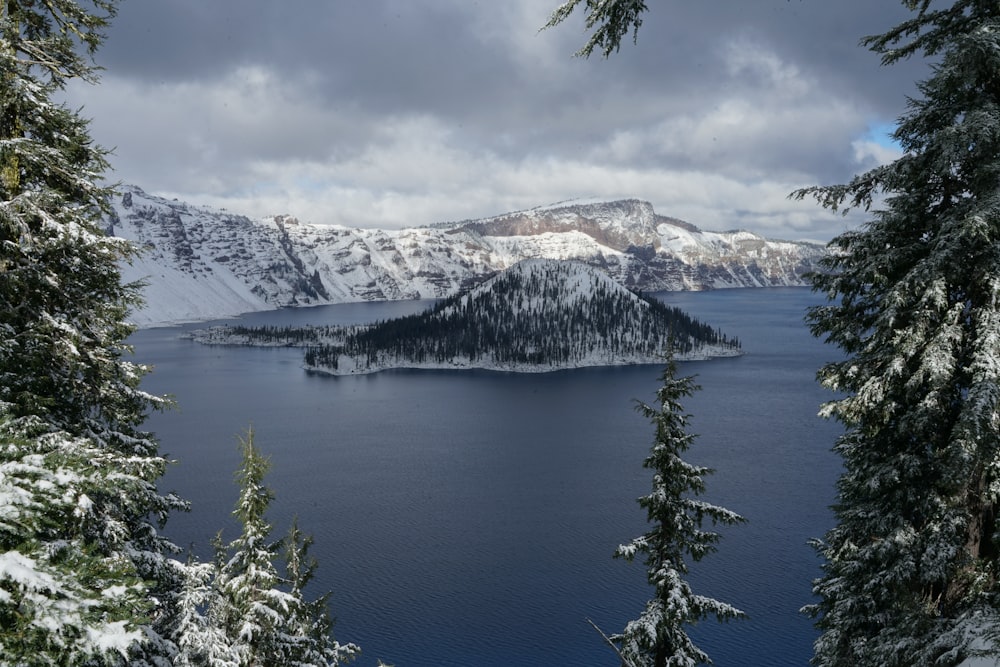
point(468, 518)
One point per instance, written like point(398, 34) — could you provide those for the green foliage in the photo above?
point(71, 403)
point(310, 621)
point(914, 302)
point(677, 536)
point(62, 303)
point(65, 598)
point(613, 20)
point(255, 614)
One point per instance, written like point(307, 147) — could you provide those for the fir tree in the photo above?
point(658, 638)
point(64, 599)
point(611, 20)
point(309, 621)
point(264, 617)
point(914, 302)
point(71, 405)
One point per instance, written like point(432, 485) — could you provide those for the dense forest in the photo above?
point(538, 313)
point(543, 313)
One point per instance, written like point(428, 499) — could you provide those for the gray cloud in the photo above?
point(388, 113)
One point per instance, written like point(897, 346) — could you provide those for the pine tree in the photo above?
point(658, 638)
point(914, 302)
point(264, 616)
point(70, 403)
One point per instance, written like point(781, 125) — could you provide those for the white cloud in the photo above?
point(869, 153)
point(537, 126)
point(758, 66)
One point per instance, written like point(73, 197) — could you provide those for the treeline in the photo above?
point(529, 317)
point(87, 577)
point(290, 336)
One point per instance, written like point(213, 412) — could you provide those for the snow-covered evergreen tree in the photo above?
point(199, 638)
point(610, 20)
point(71, 405)
point(264, 616)
point(677, 536)
point(914, 301)
point(310, 621)
point(63, 598)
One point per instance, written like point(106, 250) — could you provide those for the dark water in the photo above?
point(468, 518)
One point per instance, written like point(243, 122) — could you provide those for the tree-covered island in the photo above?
point(539, 315)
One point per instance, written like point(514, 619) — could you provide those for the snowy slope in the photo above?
point(202, 263)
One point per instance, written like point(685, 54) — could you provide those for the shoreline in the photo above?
point(467, 364)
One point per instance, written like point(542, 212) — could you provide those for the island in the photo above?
point(538, 315)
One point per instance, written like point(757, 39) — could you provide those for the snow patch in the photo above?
point(200, 263)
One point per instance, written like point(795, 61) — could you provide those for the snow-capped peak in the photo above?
point(201, 263)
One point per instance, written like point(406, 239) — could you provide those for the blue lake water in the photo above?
point(468, 518)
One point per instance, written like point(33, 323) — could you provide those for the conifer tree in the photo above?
point(911, 574)
point(309, 621)
point(610, 19)
point(914, 302)
point(64, 599)
point(263, 615)
point(677, 536)
point(199, 636)
point(70, 403)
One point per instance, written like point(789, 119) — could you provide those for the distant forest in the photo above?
point(527, 318)
point(523, 318)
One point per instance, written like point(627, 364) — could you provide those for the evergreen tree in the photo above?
point(309, 621)
point(914, 302)
point(71, 405)
point(658, 638)
point(64, 598)
point(198, 633)
point(262, 615)
point(613, 20)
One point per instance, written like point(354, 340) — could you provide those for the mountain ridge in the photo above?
point(202, 263)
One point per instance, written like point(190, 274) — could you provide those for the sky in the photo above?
point(395, 113)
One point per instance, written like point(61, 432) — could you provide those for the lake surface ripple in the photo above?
point(467, 518)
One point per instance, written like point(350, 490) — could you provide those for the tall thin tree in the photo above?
point(263, 616)
point(677, 537)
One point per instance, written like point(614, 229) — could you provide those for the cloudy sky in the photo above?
point(391, 113)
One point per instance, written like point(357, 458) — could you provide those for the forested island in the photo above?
point(539, 315)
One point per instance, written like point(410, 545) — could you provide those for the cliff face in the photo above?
point(201, 263)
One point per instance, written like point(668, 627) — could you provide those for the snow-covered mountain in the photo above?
point(202, 263)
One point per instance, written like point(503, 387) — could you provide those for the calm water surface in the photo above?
point(468, 518)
